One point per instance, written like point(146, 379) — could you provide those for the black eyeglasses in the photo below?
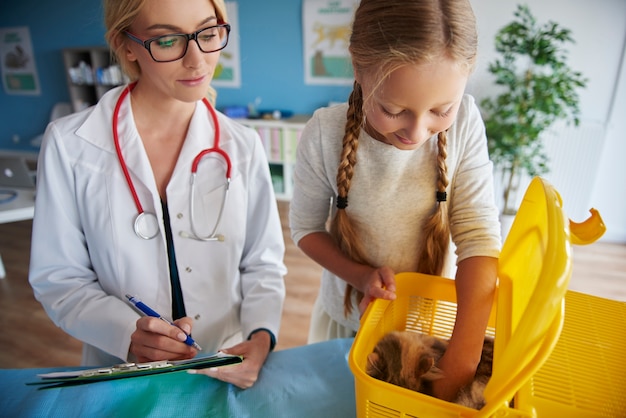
point(172, 47)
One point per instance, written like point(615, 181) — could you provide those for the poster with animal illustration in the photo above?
point(326, 26)
point(17, 61)
point(228, 70)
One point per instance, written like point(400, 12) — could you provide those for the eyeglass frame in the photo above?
point(190, 36)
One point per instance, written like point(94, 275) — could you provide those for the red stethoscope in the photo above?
point(146, 224)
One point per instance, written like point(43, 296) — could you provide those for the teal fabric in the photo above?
point(308, 381)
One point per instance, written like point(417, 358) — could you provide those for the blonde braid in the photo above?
point(342, 228)
point(437, 227)
point(347, 160)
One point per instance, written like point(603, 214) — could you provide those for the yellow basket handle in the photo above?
point(588, 231)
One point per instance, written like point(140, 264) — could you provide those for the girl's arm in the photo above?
point(475, 288)
point(373, 282)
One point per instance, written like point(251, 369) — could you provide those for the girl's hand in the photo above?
point(254, 352)
point(155, 339)
point(458, 371)
point(380, 284)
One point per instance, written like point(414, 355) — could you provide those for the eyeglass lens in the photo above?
point(173, 47)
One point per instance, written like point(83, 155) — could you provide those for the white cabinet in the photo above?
point(90, 73)
point(280, 139)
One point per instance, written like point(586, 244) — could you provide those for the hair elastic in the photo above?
point(342, 202)
point(442, 196)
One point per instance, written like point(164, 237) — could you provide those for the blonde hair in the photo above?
point(386, 35)
point(120, 14)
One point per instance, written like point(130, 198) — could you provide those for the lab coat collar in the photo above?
point(200, 135)
point(98, 131)
point(97, 128)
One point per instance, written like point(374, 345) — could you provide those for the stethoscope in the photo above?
point(146, 224)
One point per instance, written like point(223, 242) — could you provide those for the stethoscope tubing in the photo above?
point(149, 219)
point(118, 148)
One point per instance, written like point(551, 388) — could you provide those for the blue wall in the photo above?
point(271, 60)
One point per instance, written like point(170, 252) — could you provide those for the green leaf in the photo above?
point(538, 89)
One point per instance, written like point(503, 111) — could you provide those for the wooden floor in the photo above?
point(29, 339)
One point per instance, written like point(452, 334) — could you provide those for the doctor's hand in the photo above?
point(380, 284)
point(254, 352)
point(155, 339)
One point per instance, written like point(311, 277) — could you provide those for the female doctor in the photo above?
point(152, 193)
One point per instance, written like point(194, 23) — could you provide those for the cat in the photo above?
point(407, 359)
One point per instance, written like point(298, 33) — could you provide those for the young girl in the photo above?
point(406, 168)
point(117, 214)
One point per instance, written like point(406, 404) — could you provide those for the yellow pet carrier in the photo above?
point(535, 373)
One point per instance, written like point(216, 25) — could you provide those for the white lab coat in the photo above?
point(85, 255)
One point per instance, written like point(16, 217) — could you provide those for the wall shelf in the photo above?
point(90, 73)
point(280, 140)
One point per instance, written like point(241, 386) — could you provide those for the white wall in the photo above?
point(587, 163)
point(609, 194)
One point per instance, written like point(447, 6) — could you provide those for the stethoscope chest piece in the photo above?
point(146, 225)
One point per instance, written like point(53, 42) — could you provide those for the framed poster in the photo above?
point(326, 26)
point(228, 70)
point(19, 72)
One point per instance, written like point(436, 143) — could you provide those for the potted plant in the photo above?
point(537, 89)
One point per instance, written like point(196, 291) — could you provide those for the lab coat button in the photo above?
point(179, 216)
point(188, 269)
point(196, 317)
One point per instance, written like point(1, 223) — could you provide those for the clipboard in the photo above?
point(126, 370)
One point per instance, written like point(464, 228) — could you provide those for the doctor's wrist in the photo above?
point(265, 331)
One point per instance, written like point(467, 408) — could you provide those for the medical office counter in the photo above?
point(308, 381)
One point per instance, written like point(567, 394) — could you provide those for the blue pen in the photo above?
point(151, 312)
